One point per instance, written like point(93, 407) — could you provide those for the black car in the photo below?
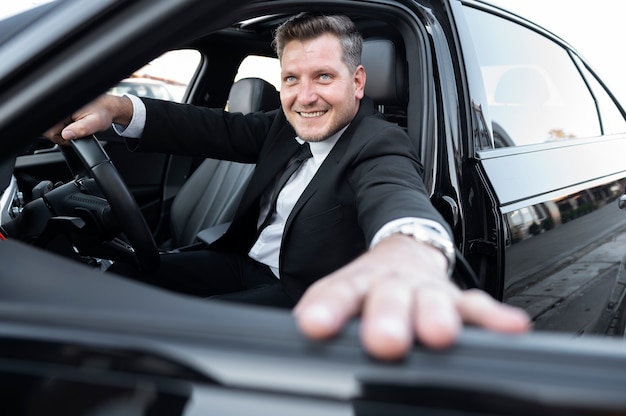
point(522, 146)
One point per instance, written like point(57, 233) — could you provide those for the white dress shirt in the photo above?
point(266, 250)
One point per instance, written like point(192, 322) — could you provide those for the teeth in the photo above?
point(312, 115)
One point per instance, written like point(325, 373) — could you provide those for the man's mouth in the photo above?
point(311, 114)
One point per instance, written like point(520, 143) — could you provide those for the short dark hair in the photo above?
point(306, 26)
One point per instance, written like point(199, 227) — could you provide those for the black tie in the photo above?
point(303, 154)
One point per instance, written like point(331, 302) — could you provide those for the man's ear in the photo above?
point(359, 82)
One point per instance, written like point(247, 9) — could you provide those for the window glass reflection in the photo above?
point(535, 93)
point(612, 119)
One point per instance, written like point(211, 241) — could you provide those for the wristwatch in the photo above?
point(428, 235)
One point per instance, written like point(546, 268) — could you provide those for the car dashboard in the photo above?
point(11, 198)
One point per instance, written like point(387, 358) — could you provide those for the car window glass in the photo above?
point(535, 92)
point(263, 67)
point(166, 77)
point(612, 119)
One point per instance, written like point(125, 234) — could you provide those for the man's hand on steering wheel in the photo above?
point(90, 119)
point(94, 117)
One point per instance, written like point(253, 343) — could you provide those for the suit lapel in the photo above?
point(331, 167)
point(272, 160)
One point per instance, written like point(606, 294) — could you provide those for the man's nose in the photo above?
point(307, 92)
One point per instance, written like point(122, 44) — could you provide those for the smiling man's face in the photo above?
point(319, 93)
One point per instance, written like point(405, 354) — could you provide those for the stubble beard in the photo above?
point(342, 120)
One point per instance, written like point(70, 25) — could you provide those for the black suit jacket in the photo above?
point(370, 177)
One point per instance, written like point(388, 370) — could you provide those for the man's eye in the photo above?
point(290, 79)
point(325, 77)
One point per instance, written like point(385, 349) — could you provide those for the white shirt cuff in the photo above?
point(134, 130)
point(395, 224)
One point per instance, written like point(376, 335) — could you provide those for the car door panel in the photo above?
point(562, 222)
point(554, 176)
point(536, 172)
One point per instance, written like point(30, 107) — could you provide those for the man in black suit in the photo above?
point(352, 230)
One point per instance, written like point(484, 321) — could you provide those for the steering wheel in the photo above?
point(123, 205)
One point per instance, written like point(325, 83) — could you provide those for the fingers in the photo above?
point(403, 294)
point(397, 310)
point(394, 312)
point(437, 322)
point(85, 124)
point(386, 324)
point(327, 306)
point(94, 117)
point(54, 132)
point(480, 309)
point(68, 129)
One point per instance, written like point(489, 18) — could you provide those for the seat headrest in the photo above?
point(252, 94)
point(386, 71)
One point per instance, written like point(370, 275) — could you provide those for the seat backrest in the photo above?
point(252, 94)
point(386, 71)
point(211, 194)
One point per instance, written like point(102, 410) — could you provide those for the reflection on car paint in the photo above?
point(559, 250)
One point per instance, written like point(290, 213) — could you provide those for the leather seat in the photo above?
point(386, 69)
point(211, 194)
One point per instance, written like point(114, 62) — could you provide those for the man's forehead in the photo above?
point(323, 38)
point(324, 45)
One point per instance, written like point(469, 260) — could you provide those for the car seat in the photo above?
point(386, 68)
point(211, 194)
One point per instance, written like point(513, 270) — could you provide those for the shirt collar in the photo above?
point(321, 149)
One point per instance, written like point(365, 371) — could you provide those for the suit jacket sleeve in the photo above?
point(386, 176)
point(203, 132)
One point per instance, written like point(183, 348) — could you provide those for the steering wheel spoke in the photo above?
point(123, 205)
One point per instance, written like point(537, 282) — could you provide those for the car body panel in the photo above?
point(537, 188)
point(76, 332)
